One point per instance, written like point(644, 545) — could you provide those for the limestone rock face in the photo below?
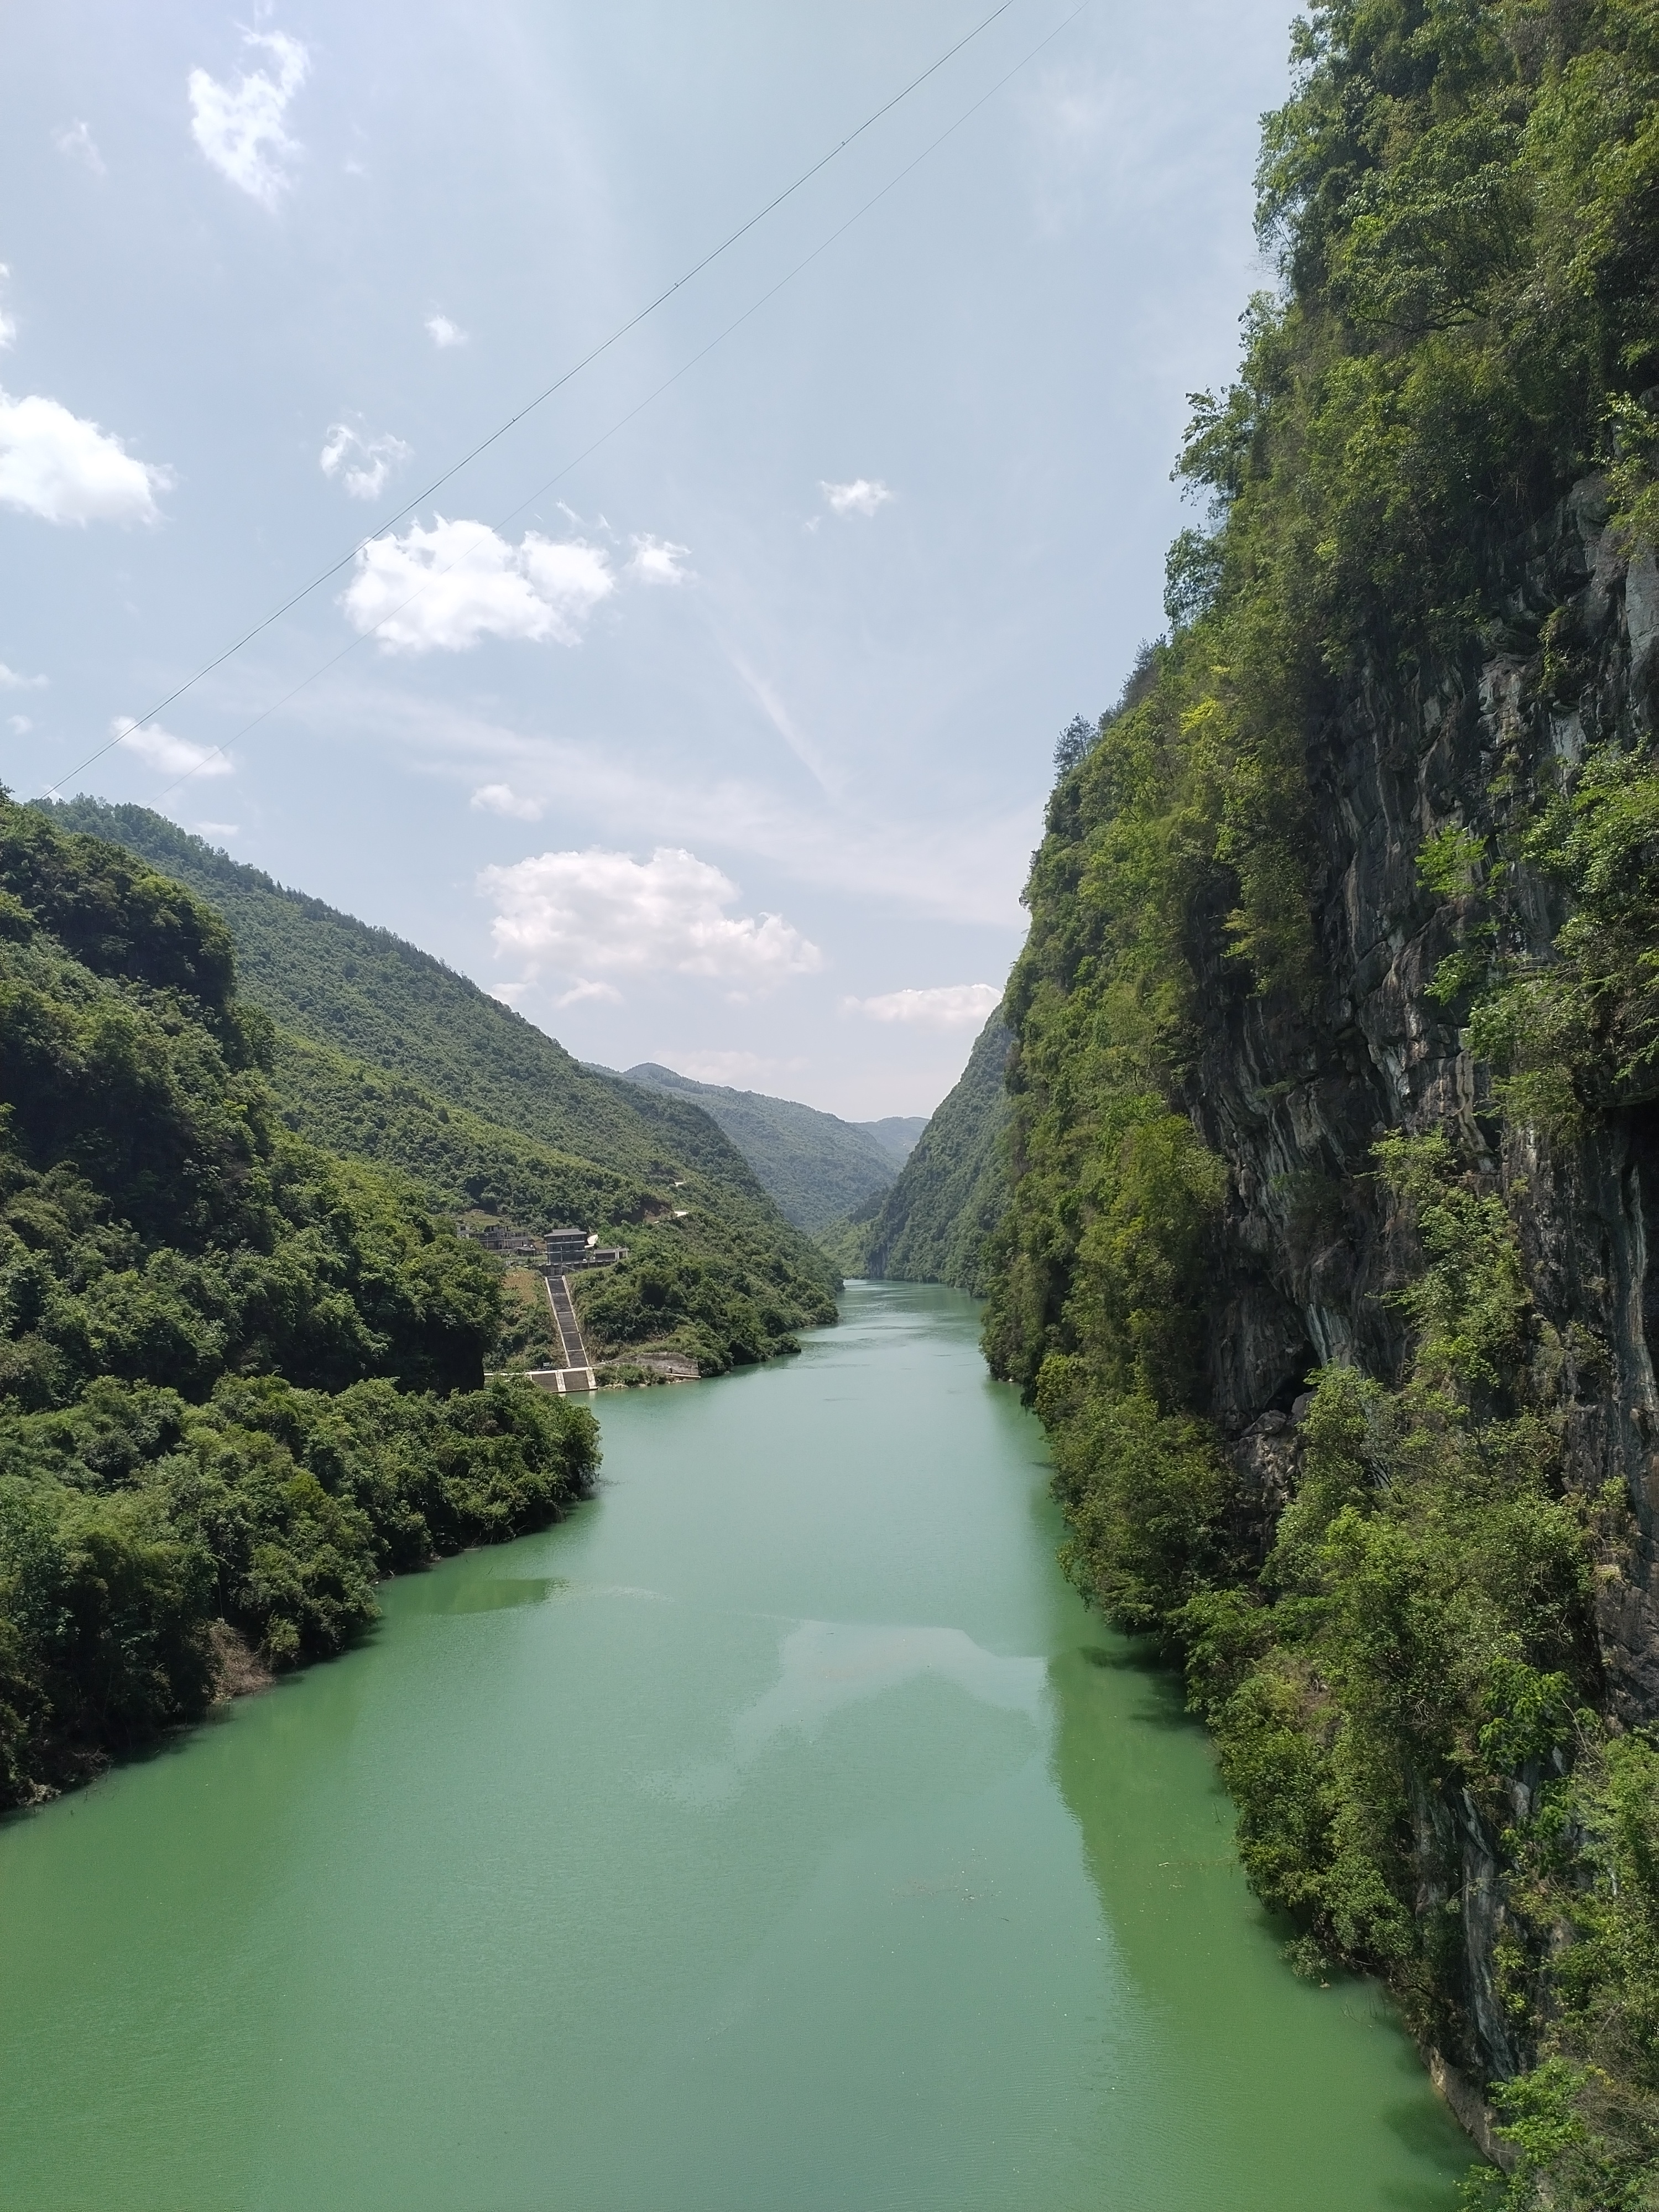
point(1294, 1098)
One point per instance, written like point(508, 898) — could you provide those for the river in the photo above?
point(779, 1834)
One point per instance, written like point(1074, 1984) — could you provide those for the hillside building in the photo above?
point(569, 1248)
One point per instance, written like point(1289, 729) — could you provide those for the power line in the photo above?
point(530, 406)
point(622, 423)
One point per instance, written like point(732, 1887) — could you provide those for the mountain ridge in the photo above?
point(386, 1053)
point(935, 1223)
point(815, 1164)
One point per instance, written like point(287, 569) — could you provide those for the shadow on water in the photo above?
point(1234, 2023)
point(1162, 1702)
point(81, 1788)
point(445, 1591)
point(438, 1597)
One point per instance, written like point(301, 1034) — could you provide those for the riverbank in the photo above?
point(784, 1780)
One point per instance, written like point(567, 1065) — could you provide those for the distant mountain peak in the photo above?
point(816, 1166)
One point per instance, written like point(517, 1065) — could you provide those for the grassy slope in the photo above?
point(816, 1166)
point(325, 975)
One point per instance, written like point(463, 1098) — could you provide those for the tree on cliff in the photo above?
point(1414, 612)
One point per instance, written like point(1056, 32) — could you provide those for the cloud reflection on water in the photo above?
point(827, 1665)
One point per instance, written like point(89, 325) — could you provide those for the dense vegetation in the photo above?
point(325, 977)
point(1464, 198)
point(896, 1134)
point(239, 1379)
point(814, 1165)
point(934, 1224)
point(383, 1054)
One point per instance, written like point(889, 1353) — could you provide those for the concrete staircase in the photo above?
point(575, 1370)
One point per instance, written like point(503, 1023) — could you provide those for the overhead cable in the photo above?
point(530, 405)
point(621, 423)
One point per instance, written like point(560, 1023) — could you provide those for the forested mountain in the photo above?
point(932, 1226)
point(238, 1378)
point(1331, 1263)
point(324, 974)
point(896, 1134)
point(382, 1053)
point(816, 1166)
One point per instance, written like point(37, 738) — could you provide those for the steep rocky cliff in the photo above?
point(1310, 1248)
point(1329, 1258)
point(1342, 1182)
point(1295, 1098)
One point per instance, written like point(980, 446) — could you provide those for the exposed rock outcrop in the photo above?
point(1294, 1098)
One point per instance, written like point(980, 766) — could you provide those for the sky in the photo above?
point(708, 715)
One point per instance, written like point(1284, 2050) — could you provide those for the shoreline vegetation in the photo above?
point(242, 1371)
point(1313, 1217)
point(1335, 1063)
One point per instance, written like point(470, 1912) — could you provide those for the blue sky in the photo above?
point(724, 743)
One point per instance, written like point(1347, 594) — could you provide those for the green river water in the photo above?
point(780, 1834)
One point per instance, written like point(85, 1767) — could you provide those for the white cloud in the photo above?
point(18, 724)
point(443, 589)
point(239, 127)
point(657, 560)
point(218, 829)
point(11, 681)
point(64, 470)
point(862, 496)
point(783, 722)
point(584, 989)
point(443, 333)
point(958, 858)
point(501, 799)
point(579, 912)
point(75, 141)
point(159, 749)
point(1080, 114)
point(946, 1006)
point(365, 475)
point(8, 323)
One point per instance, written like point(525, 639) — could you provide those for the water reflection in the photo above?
point(825, 1666)
point(450, 1591)
point(1233, 2023)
